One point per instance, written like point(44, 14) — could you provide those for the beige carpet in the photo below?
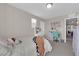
point(61, 49)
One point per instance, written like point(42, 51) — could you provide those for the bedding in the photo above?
point(5, 50)
point(26, 48)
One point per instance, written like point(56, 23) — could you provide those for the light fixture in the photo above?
point(49, 5)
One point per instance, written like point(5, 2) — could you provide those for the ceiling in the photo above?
point(40, 10)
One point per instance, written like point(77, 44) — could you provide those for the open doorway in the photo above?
point(70, 26)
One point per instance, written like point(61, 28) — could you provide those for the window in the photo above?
point(42, 25)
point(33, 21)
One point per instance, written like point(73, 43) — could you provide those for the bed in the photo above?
point(26, 48)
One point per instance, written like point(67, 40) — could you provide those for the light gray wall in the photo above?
point(15, 22)
point(61, 28)
point(2, 19)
